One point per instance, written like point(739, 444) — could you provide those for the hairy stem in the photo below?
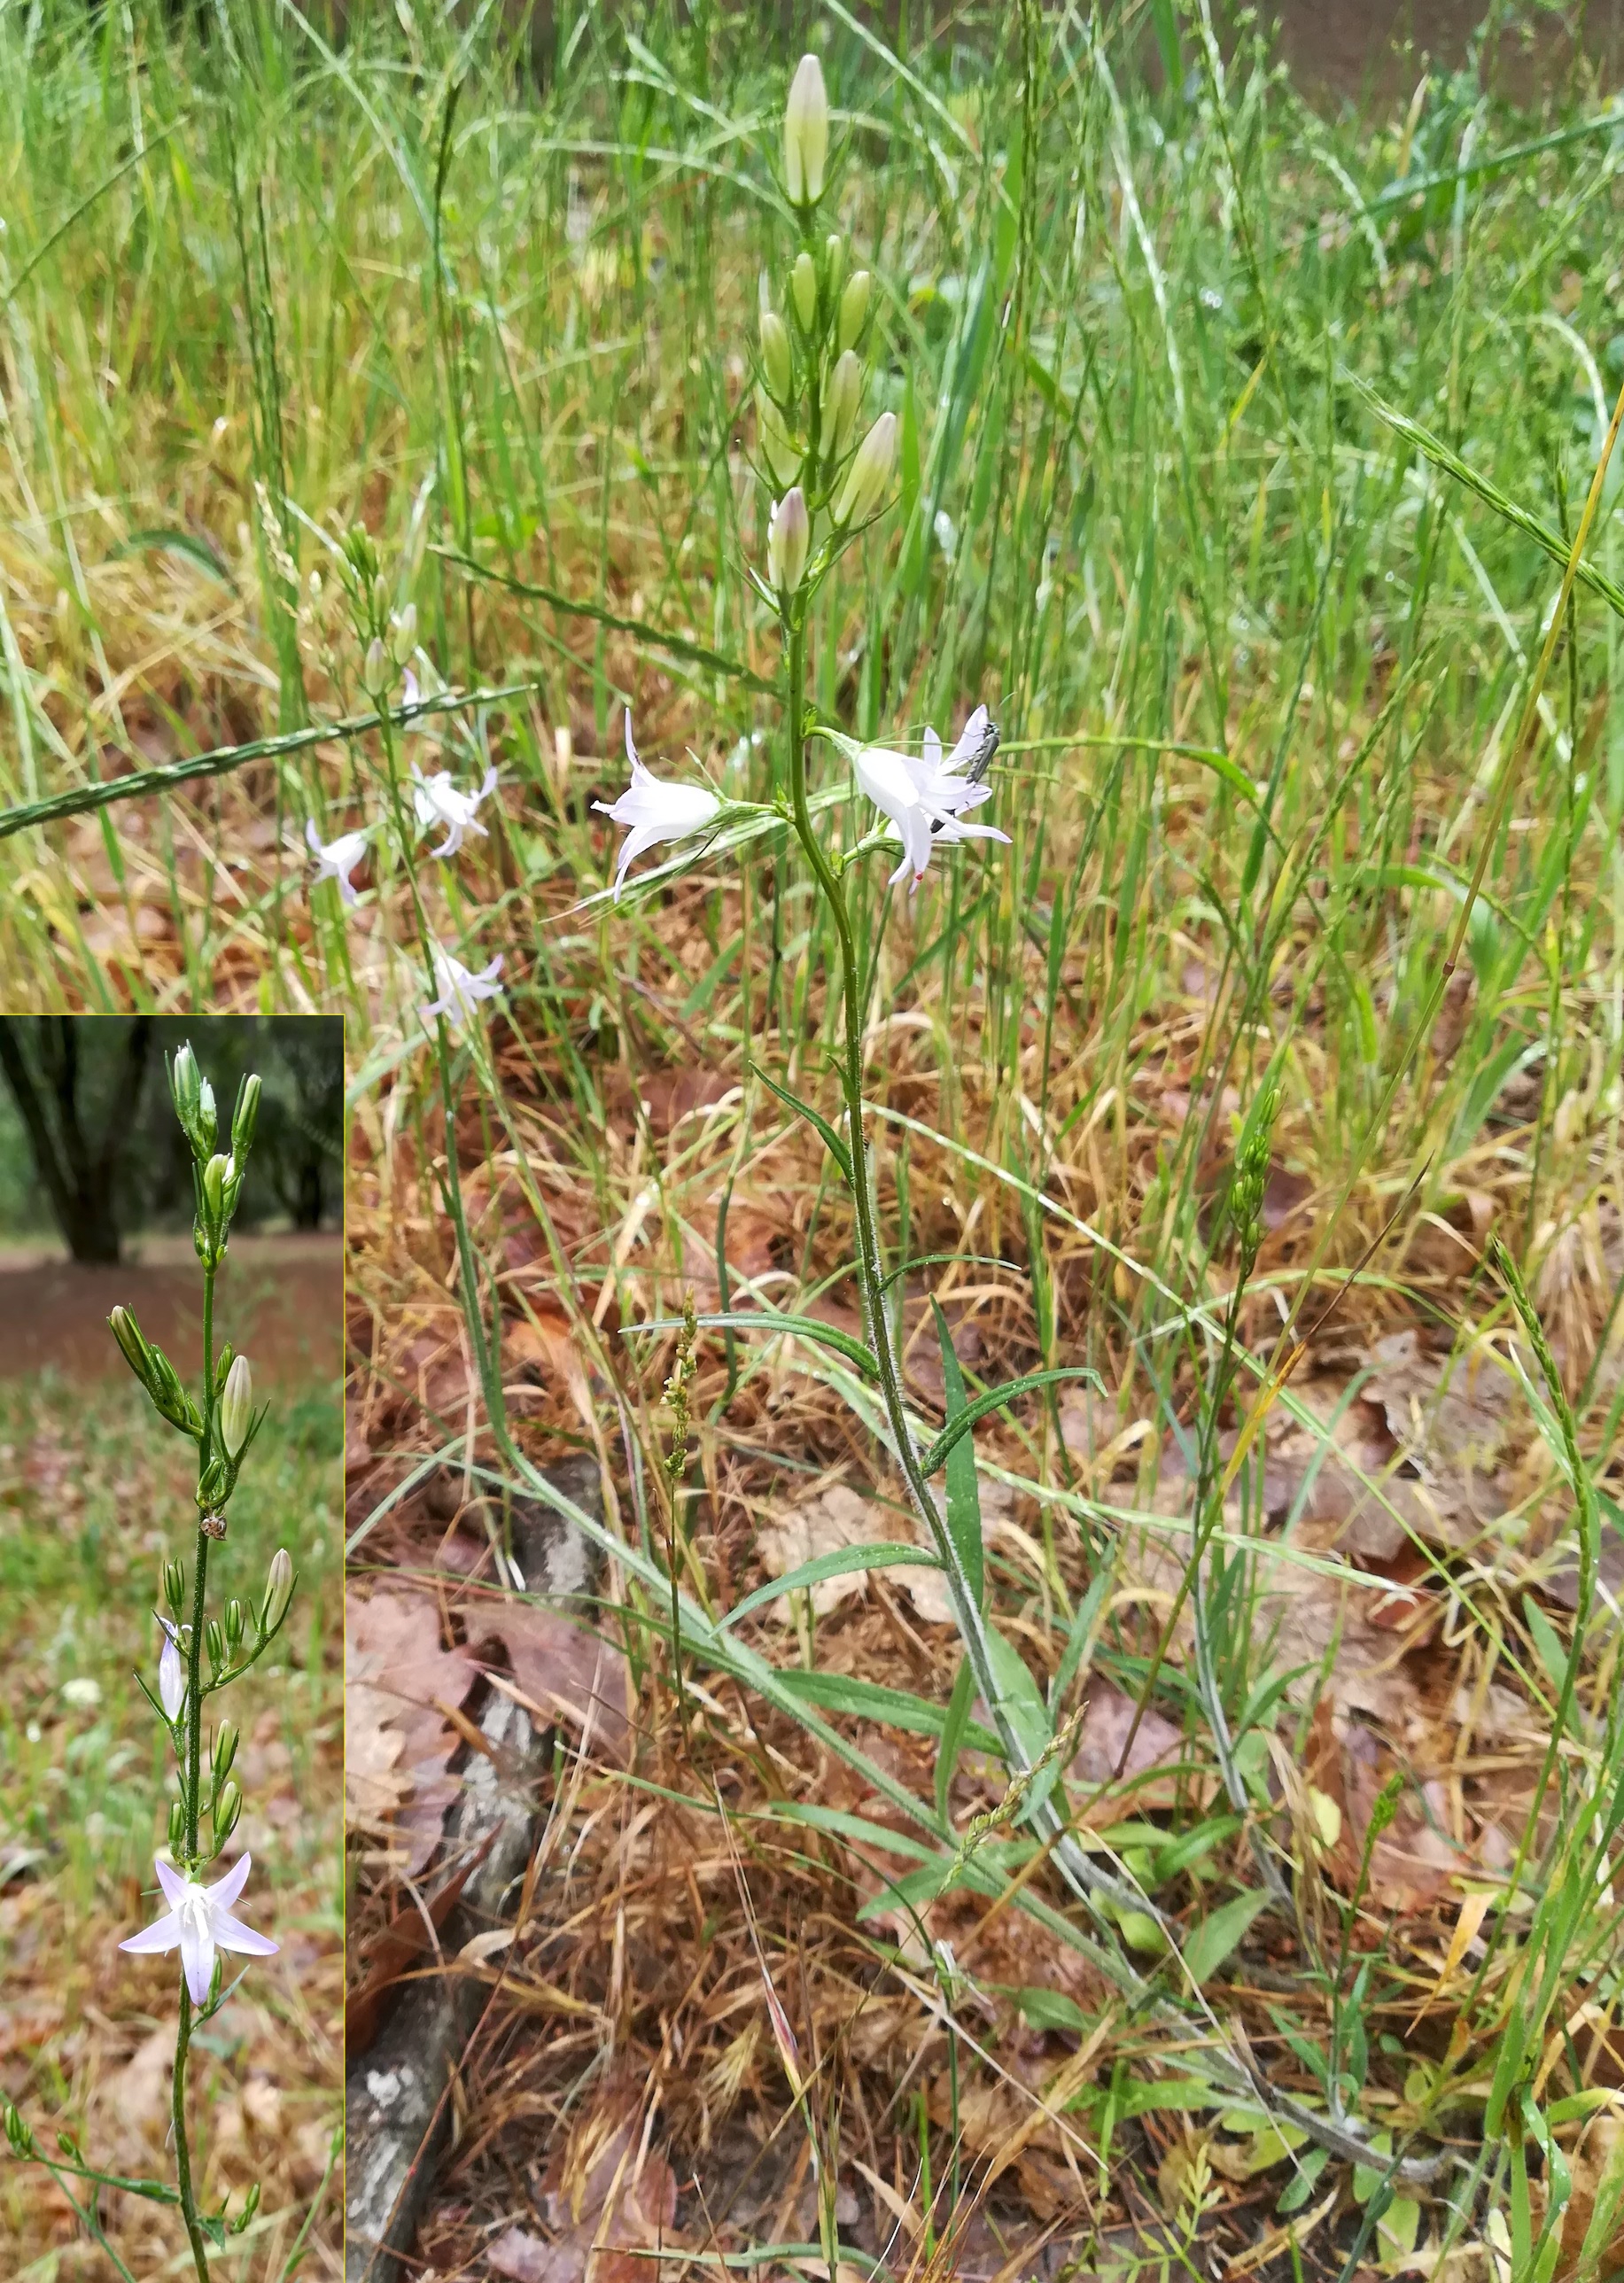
point(191, 1789)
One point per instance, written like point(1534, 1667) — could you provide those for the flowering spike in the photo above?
point(806, 134)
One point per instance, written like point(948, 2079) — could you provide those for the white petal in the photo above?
point(197, 1957)
point(171, 1879)
point(163, 1934)
point(231, 1933)
point(311, 841)
point(224, 1891)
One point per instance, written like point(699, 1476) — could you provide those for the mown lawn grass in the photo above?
point(1211, 409)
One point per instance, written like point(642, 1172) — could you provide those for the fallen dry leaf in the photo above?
point(561, 1667)
point(825, 1523)
point(398, 1674)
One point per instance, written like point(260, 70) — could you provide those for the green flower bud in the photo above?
point(174, 1589)
point(245, 1119)
point(222, 1750)
point(803, 290)
point(834, 264)
point(854, 308)
point(870, 476)
point(251, 2204)
point(214, 1187)
point(132, 1345)
point(279, 1592)
point(227, 1808)
point(842, 395)
point(781, 453)
point(789, 535)
point(236, 1620)
point(16, 2130)
point(185, 1086)
point(236, 1407)
point(776, 356)
point(806, 134)
point(215, 1642)
point(178, 1828)
point(403, 634)
point(377, 668)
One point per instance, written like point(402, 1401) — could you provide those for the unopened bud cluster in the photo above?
point(1251, 1176)
point(811, 375)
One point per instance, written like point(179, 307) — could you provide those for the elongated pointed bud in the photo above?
point(789, 535)
point(16, 2130)
point(854, 307)
point(279, 1592)
point(403, 634)
point(214, 1641)
point(246, 1119)
point(171, 1678)
point(871, 472)
point(377, 668)
point(842, 395)
point(132, 1345)
point(776, 356)
point(806, 134)
point(175, 1588)
point(185, 1086)
point(227, 1808)
point(781, 453)
point(834, 264)
point(214, 1187)
point(236, 1620)
point(803, 290)
point(236, 1407)
point(177, 1828)
point(251, 2204)
point(222, 1750)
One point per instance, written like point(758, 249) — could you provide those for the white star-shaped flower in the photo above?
point(925, 797)
point(653, 811)
point(460, 992)
point(199, 1919)
point(337, 859)
point(437, 801)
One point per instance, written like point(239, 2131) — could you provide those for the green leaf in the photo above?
point(769, 1319)
point(1025, 1711)
point(963, 1497)
point(832, 1142)
point(866, 1699)
point(1301, 2186)
point(1217, 1935)
point(1547, 1642)
point(841, 1563)
point(1050, 2009)
point(953, 1732)
point(997, 1398)
point(186, 544)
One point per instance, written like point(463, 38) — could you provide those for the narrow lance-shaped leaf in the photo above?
point(963, 1497)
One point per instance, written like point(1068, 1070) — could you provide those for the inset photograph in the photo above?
point(171, 1480)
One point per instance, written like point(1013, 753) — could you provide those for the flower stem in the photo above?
point(191, 1787)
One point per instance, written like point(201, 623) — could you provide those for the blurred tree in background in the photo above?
point(87, 1144)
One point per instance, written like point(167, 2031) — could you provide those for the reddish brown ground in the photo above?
point(279, 1298)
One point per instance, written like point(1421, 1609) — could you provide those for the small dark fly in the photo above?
point(977, 771)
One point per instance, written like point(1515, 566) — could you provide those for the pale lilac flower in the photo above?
point(199, 1919)
point(925, 797)
point(171, 1674)
point(460, 992)
point(410, 695)
point(653, 811)
point(437, 801)
point(337, 860)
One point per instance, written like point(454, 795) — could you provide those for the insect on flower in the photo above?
point(925, 797)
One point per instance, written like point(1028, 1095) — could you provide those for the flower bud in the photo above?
point(404, 634)
point(854, 307)
point(16, 2130)
point(375, 670)
point(842, 395)
point(175, 1588)
point(178, 1828)
point(214, 1187)
point(245, 1119)
point(171, 1677)
point(223, 1749)
point(803, 290)
point(806, 134)
point(215, 1641)
point(834, 264)
point(781, 453)
point(227, 1808)
point(236, 1620)
point(776, 355)
point(871, 472)
point(279, 1592)
point(132, 1345)
point(236, 1407)
point(185, 1086)
point(204, 1139)
point(789, 535)
point(251, 2204)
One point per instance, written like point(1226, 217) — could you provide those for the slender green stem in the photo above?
point(190, 1788)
